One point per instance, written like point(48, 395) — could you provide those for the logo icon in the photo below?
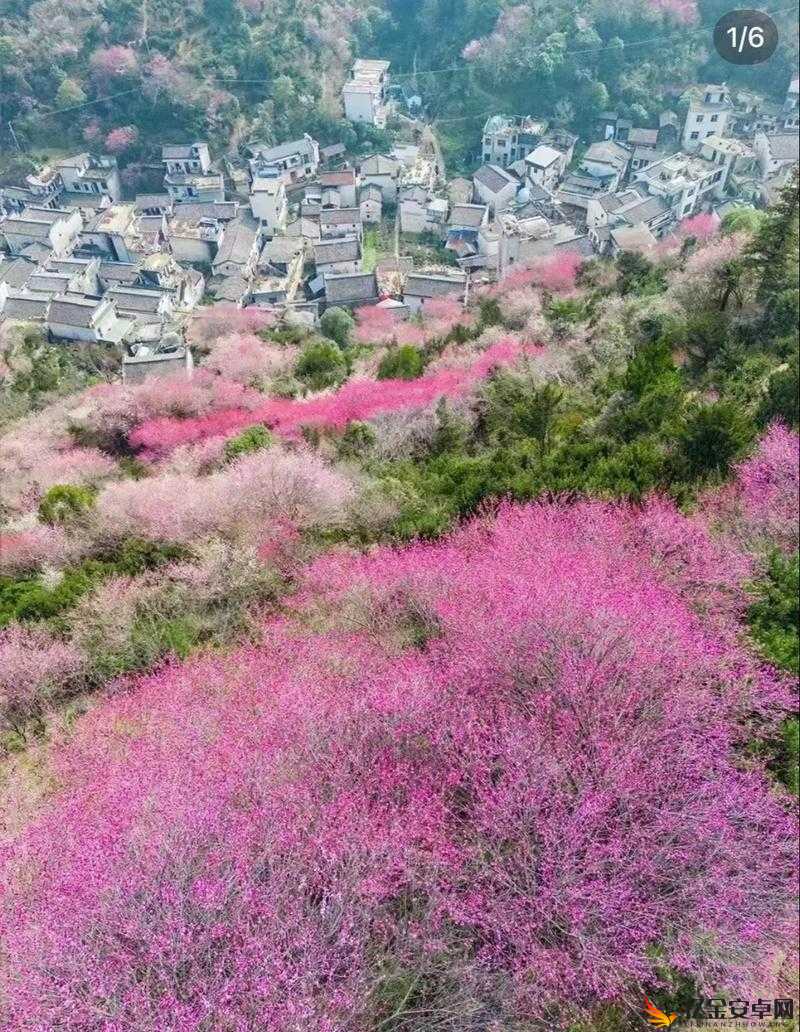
point(657, 1017)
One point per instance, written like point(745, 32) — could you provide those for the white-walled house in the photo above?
point(545, 166)
point(495, 187)
point(54, 228)
point(268, 202)
point(710, 108)
point(91, 320)
point(364, 93)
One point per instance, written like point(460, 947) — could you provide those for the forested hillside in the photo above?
point(411, 676)
point(223, 69)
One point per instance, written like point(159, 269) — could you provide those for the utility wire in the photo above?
point(402, 75)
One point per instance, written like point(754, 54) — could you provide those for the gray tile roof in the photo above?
point(644, 137)
point(48, 283)
point(237, 244)
point(179, 151)
point(344, 250)
point(421, 284)
point(646, 210)
point(230, 288)
point(283, 150)
point(280, 250)
point(119, 272)
point(50, 216)
point(73, 311)
point(160, 200)
point(340, 216)
point(16, 272)
point(225, 211)
point(136, 300)
point(26, 307)
point(379, 165)
point(350, 287)
point(494, 178)
point(468, 215)
point(25, 228)
point(784, 146)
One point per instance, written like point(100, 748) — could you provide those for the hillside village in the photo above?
point(297, 227)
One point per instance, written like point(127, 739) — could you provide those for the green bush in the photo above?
point(774, 616)
point(63, 503)
point(338, 325)
point(253, 439)
point(403, 363)
point(321, 364)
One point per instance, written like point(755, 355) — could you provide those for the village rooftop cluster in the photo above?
point(286, 226)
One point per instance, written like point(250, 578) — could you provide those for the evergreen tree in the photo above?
point(773, 252)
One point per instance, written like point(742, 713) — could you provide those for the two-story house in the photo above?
point(506, 140)
point(292, 161)
point(365, 95)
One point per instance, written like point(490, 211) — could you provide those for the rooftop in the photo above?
point(494, 178)
point(421, 284)
point(468, 215)
point(350, 286)
point(543, 156)
point(73, 310)
point(340, 216)
point(344, 250)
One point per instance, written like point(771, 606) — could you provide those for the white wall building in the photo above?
point(364, 94)
point(709, 110)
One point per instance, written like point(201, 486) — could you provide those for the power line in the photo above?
point(398, 75)
point(594, 50)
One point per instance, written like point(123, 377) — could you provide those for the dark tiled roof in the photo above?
point(494, 178)
point(26, 307)
point(651, 208)
point(178, 151)
point(343, 250)
point(428, 285)
point(17, 272)
point(350, 287)
point(118, 272)
point(222, 210)
point(136, 300)
point(68, 311)
point(48, 283)
point(645, 137)
point(237, 244)
point(145, 201)
point(340, 216)
point(25, 227)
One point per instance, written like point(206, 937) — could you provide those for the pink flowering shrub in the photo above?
point(702, 226)
point(115, 62)
point(31, 466)
point(22, 551)
point(222, 320)
point(540, 799)
point(239, 500)
point(121, 139)
point(114, 410)
point(682, 11)
point(356, 400)
point(760, 508)
point(33, 666)
point(247, 359)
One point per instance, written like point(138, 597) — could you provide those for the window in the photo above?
point(715, 118)
point(717, 176)
point(700, 118)
point(694, 136)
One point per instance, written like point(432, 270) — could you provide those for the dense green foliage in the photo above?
point(403, 363)
point(64, 503)
point(31, 598)
point(321, 364)
point(254, 438)
point(775, 615)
